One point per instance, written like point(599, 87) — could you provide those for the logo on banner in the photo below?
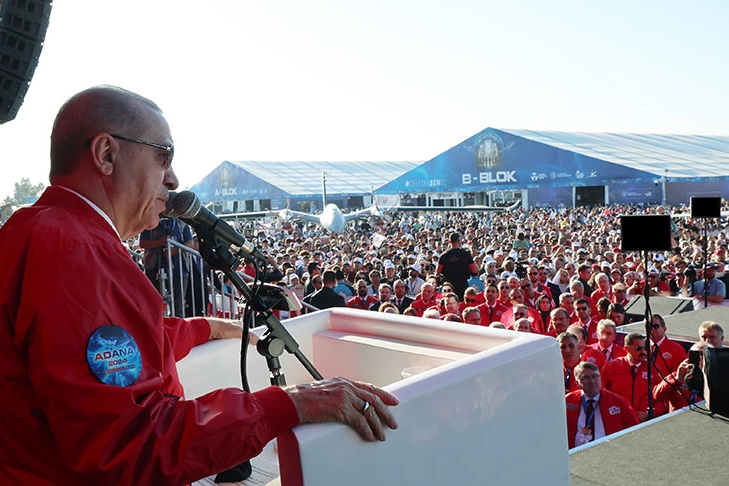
point(488, 151)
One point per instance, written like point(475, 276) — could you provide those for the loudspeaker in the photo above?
point(705, 207)
point(645, 233)
point(665, 306)
point(23, 25)
point(716, 380)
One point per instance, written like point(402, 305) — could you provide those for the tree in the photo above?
point(24, 191)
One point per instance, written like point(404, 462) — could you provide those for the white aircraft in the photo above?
point(333, 219)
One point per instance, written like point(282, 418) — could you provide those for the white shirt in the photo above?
point(582, 419)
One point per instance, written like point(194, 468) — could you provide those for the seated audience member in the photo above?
point(712, 334)
point(431, 313)
point(451, 317)
point(586, 353)
point(675, 388)
point(569, 346)
point(666, 354)
point(491, 310)
point(628, 376)
point(388, 307)
point(620, 294)
point(592, 411)
point(385, 292)
point(606, 334)
point(426, 299)
point(522, 325)
point(497, 325)
point(616, 313)
point(362, 300)
point(584, 315)
point(471, 315)
point(558, 321)
point(410, 312)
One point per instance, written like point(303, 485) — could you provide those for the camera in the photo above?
point(690, 273)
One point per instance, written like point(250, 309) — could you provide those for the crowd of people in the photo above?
point(560, 273)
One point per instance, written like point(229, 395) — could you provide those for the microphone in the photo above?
point(186, 206)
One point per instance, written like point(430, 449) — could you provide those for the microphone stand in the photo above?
point(648, 329)
point(706, 257)
point(277, 338)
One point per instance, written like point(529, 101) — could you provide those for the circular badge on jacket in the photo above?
point(113, 356)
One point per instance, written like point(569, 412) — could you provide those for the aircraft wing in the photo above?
point(363, 213)
point(251, 214)
point(478, 209)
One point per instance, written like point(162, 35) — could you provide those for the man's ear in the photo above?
point(104, 150)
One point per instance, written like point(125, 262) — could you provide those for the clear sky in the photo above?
point(377, 80)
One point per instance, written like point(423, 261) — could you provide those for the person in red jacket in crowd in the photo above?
point(620, 294)
point(592, 411)
point(569, 347)
point(628, 376)
point(567, 302)
point(89, 390)
point(578, 291)
point(605, 345)
point(666, 355)
point(586, 353)
point(602, 281)
point(492, 309)
point(558, 322)
point(426, 299)
point(677, 389)
point(584, 315)
point(362, 300)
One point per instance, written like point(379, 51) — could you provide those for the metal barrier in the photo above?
point(190, 288)
point(194, 289)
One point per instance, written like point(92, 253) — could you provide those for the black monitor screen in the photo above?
point(646, 233)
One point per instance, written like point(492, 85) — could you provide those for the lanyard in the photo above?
point(589, 418)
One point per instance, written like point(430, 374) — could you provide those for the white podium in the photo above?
point(488, 407)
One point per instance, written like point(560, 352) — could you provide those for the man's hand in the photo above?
point(225, 328)
point(684, 369)
point(362, 406)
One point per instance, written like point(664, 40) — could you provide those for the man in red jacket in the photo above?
point(628, 376)
point(89, 391)
point(569, 346)
point(592, 411)
point(666, 354)
point(362, 300)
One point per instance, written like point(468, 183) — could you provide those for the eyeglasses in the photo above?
point(519, 314)
point(170, 149)
point(582, 308)
point(640, 348)
point(470, 301)
point(589, 377)
point(525, 286)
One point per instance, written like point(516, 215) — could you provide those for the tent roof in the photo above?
point(303, 178)
point(691, 156)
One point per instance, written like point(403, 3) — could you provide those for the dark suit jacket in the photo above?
point(326, 298)
point(406, 301)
